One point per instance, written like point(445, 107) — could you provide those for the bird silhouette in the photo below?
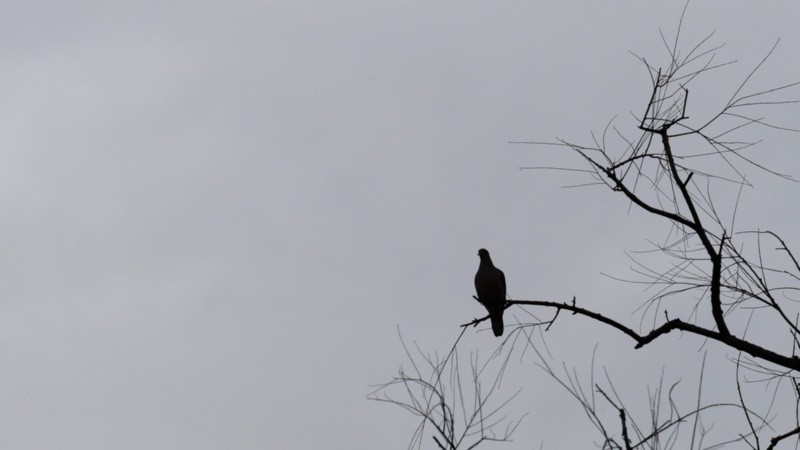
point(490, 284)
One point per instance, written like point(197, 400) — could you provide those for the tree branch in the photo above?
point(697, 226)
point(788, 362)
point(774, 441)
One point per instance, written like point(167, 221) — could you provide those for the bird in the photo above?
point(490, 284)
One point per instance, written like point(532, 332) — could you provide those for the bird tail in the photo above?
point(497, 323)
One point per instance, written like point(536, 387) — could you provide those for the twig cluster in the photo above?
point(456, 408)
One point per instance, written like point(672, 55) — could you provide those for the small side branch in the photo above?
point(622, 418)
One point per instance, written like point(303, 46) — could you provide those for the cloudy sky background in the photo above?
point(215, 216)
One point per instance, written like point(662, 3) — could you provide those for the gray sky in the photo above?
point(216, 215)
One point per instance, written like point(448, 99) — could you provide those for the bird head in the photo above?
point(483, 253)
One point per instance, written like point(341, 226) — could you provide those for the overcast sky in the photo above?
point(216, 215)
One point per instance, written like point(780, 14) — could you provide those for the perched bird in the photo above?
point(490, 283)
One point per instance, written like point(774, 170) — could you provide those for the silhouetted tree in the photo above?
point(711, 279)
